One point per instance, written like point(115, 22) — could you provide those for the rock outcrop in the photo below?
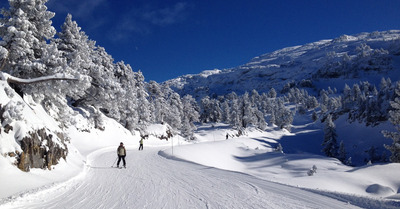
point(41, 150)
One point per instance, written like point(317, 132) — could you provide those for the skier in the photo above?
point(121, 151)
point(141, 143)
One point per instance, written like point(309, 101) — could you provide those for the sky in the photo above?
point(168, 38)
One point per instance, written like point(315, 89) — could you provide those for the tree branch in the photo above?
point(56, 77)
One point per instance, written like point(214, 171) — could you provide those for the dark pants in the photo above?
point(119, 160)
point(141, 147)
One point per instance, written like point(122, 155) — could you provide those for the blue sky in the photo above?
point(167, 38)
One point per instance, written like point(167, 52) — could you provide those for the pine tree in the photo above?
point(28, 37)
point(157, 98)
point(330, 147)
point(143, 105)
point(283, 117)
point(346, 99)
point(394, 118)
point(26, 30)
point(260, 121)
point(105, 90)
point(246, 111)
point(342, 152)
point(75, 46)
point(226, 112)
point(174, 115)
point(314, 116)
point(190, 115)
point(235, 121)
point(255, 97)
point(77, 49)
point(206, 110)
point(128, 102)
point(272, 93)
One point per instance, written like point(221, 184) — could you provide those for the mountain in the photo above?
point(346, 59)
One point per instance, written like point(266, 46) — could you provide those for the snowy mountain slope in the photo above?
point(345, 59)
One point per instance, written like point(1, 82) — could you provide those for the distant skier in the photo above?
point(141, 143)
point(227, 135)
point(121, 151)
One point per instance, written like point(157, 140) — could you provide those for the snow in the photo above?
point(57, 76)
point(151, 181)
point(238, 172)
point(253, 154)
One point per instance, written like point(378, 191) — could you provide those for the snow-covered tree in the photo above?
point(312, 171)
point(210, 110)
point(190, 115)
point(346, 98)
point(394, 118)
point(143, 105)
point(314, 116)
point(235, 120)
point(246, 111)
point(157, 98)
point(272, 93)
point(105, 90)
point(282, 115)
point(77, 49)
point(127, 106)
point(255, 98)
point(26, 28)
point(75, 46)
point(330, 146)
point(342, 152)
point(174, 115)
point(266, 104)
point(226, 117)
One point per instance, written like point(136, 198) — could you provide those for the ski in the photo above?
point(118, 167)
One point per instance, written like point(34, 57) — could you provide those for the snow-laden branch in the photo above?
point(55, 77)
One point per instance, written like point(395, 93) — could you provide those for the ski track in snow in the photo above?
point(152, 181)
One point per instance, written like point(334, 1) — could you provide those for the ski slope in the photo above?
point(153, 181)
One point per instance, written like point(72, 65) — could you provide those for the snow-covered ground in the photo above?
point(151, 181)
point(241, 172)
point(254, 154)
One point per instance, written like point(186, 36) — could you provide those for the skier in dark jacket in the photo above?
point(141, 143)
point(121, 151)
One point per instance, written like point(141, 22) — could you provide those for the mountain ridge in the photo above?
point(375, 54)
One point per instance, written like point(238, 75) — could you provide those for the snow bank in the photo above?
point(255, 154)
point(25, 115)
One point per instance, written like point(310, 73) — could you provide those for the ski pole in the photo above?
point(114, 162)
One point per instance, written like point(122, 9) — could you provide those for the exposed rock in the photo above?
point(40, 151)
point(7, 128)
point(168, 135)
